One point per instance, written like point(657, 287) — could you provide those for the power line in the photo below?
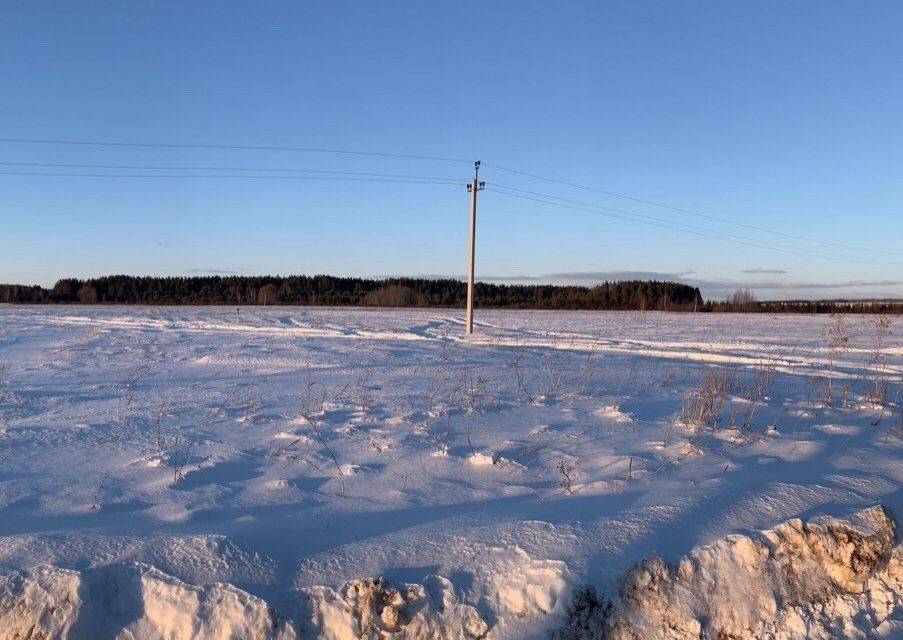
point(376, 177)
point(224, 176)
point(397, 178)
point(247, 169)
point(616, 216)
point(161, 145)
point(662, 225)
point(633, 214)
point(688, 211)
point(716, 235)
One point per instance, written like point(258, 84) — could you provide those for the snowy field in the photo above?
point(216, 473)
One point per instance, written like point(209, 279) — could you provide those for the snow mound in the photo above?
point(130, 601)
point(127, 601)
point(529, 587)
point(375, 609)
point(827, 578)
point(43, 603)
point(481, 459)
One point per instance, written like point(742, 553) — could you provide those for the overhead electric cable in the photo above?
point(633, 214)
point(688, 211)
point(223, 176)
point(248, 169)
point(395, 155)
point(675, 226)
point(239, 147)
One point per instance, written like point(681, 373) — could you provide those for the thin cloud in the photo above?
point(214, 272)
point(602, 276)
point(715, 289)
point(569, 277)
point(461, 276)
point(847, 284)
point(518, 278)
point(794, 286)
point(711, 288)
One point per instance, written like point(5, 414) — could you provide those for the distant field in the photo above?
point(156, 452)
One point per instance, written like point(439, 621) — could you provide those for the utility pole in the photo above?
point(472, 189)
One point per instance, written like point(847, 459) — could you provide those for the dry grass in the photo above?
point(703, 402)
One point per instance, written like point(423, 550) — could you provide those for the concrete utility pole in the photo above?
point(472, 188)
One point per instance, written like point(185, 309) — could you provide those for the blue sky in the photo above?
point(783, 116)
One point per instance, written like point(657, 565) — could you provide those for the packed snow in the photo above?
point(345, 473)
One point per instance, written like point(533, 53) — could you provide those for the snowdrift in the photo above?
point(825, 578)
point(139, 601)
point(129, 601)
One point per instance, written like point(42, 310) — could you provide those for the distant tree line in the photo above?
point(22, 294)
point(641, 295)
point(812, 306)
point(335, 291)
point(744, 301)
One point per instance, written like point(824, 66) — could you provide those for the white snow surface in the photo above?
point(175, 472)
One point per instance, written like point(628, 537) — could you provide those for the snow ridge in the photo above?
point(826, 578)
point(133, 600)
point(129, 601)
point(373, 609)
point(822, 579)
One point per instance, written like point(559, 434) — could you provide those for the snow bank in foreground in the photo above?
point(139, 601)
point(827, 578)
point(129, 601)
point(376, 609)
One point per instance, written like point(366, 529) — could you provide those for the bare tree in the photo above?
point(743, 300)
